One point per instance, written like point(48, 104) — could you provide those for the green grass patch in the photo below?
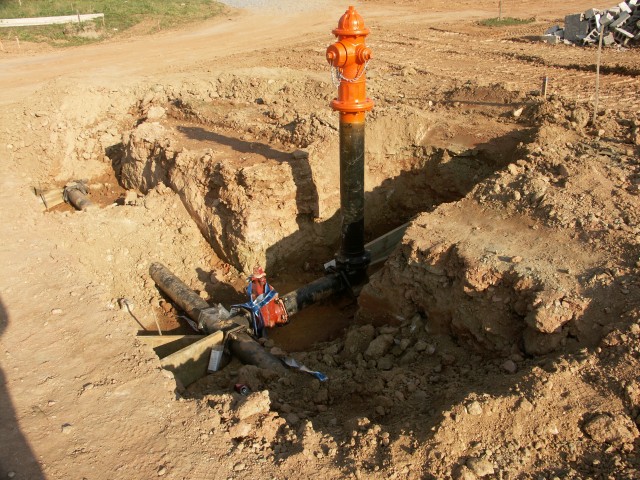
point(119, 16)
point(506, 21)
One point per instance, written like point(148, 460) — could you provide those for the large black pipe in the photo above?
point(250, 352)
point(243, 346)
point(352, 258)
point(313, 292)
point(75, 193)
point(178, 291)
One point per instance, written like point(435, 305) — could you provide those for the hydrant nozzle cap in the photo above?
point(351, 23)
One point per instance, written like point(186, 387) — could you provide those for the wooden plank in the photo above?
point(51, 198)
point(37, 21)
point(190, 364)
point(165, 345)
point(158, 340)
point(383, 246)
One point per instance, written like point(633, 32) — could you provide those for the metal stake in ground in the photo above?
point(597, 95)
point(349, 57)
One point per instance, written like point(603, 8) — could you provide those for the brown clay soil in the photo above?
point(500, 340)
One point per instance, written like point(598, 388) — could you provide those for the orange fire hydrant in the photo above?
point(349, 57)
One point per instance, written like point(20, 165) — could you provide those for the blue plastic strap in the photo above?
point(291, 362)
point(254, 307)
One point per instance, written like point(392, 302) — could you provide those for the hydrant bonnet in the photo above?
point(351, 23)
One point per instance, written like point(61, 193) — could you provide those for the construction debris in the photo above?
point(50, 198)
point(618, 25)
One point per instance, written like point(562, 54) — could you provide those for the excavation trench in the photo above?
point(262, 201)
point(261, 182)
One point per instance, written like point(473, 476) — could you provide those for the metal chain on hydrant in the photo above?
point(337, 77)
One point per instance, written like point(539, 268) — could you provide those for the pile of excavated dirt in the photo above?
point(501, 339)
point(491, 312)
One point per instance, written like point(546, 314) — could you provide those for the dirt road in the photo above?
point(223, 37)
point(82, 398)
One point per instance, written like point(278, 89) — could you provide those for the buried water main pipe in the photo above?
point(76, 193)
point(348, 58)
point(240, 343)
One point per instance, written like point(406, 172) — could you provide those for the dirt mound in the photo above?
point(466, 271)
point(482, 94)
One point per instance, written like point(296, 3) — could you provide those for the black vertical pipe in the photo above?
point(352, 258)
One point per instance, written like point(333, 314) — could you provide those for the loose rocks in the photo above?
point(613, 429)
point(480, 467)
point(357, 340)
point(510, 366)
point(255, 404)
point(474, 408)
point(379, 346)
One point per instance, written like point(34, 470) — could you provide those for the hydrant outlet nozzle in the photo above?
point(337, 55)
point(363, 54)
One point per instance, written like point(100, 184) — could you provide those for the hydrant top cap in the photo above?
point(351, 23)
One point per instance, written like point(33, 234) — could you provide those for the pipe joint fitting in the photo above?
point(353, 266)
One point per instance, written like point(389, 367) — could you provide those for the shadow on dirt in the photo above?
point(306, 191)
point(439, 176)
point(15, 453)
point(604, 69)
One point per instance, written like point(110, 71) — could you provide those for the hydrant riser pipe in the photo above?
point(349, 56)
point(352, 189)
